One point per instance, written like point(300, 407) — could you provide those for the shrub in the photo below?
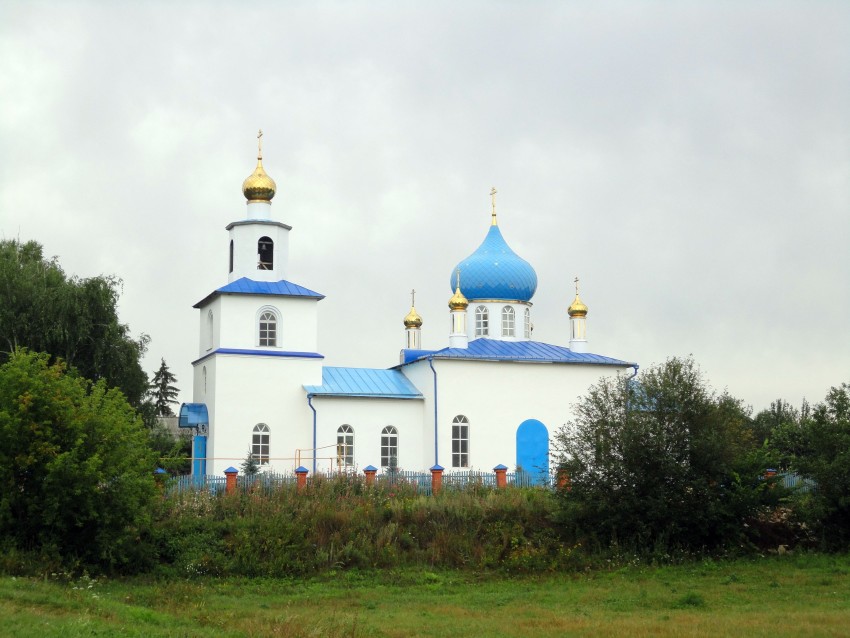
point(76, 472)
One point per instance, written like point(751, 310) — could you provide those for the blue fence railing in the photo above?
point(267, 481)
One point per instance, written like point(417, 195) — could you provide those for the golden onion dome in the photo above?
point(458, 301)
point(258, 186)
point(412, 320)
point(577, 308)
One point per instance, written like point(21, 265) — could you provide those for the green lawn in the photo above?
point(778, 596)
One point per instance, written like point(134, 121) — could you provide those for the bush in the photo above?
point(664, 464)
point(76, 479)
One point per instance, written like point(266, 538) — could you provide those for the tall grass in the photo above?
point(342, 522)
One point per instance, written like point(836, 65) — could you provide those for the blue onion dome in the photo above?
point(494, 271)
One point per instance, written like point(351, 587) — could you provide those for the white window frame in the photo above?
point(460, 441)
point(259, 327)
point(482, 321)
point(527, 326)
point(508, 322)
point(389, 446)
point(261, 443)
point(345, 446)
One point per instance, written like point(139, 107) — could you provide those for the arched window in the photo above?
point(460, 441)
point(527, 324)
point(210, 330)
point(345, 446)
point(265, 254)
point(508, 322)
point(231, 256)
point(260, 443)
point(482, 321)
point(268, 329)
point(389, 447)
point(204, 375)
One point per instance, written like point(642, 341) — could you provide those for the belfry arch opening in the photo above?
point(265, 254)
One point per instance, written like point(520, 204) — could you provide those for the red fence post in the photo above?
point(301, 476)
point(436, 479)
point(501, 475)
point(230, 480)
point(370, 471)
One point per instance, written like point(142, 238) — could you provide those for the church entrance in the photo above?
point(532, 450)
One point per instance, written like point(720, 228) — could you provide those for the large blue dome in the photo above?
point(494, 271)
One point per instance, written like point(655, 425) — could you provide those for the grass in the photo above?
point(803, 595)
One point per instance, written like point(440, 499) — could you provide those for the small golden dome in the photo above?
point(577, 308)
point(412, 320)
point(458, 301)
point(258, 186)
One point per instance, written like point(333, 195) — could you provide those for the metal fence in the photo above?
point(421, 481)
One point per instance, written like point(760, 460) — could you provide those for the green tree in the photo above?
point(663, 463)
point(825, 458)
point(73, 319)
point(162, 391)
point(76, 480)
point(250, 466)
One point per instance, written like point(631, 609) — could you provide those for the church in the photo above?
point(492, 396)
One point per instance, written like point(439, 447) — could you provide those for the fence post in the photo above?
point(501, 475)
point(436, 478)
point(370, 471)
point(301, 476)
point(230, 481)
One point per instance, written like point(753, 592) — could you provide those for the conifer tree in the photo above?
point(162, 391)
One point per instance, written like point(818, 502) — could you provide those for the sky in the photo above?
point(688, 161)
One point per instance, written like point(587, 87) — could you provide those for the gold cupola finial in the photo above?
point(258, 186)
point(458, 301)
point(413, 320)
point(577, 307)
point(493, 192)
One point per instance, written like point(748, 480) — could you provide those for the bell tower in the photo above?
point(259, 245)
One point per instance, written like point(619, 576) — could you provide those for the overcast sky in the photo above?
point(690, 162)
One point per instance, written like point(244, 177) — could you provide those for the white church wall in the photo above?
point(297, 329)
point(368, 417)
point(208, 340)
point(496, 397)
point(496, 327)
point(245, 391)
point(421, 376)
point(245, 255)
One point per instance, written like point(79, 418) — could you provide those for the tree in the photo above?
point(663, 463)
point(73, 319)
point(250, 466)
point(825, 458)
point(76, 472)
point(162, 392)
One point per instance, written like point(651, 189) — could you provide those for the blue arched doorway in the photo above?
point(532, 450)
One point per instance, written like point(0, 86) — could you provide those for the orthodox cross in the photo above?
point(458, 278)
point(493, 192)
point(260, 144)
point(576, 282)
point(412, 298)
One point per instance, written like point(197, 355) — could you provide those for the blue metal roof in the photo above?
point(364, 382)
point(494, 271)
point(245, 286)
point(290, 354)
point(497, 350)
point(193, 415)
